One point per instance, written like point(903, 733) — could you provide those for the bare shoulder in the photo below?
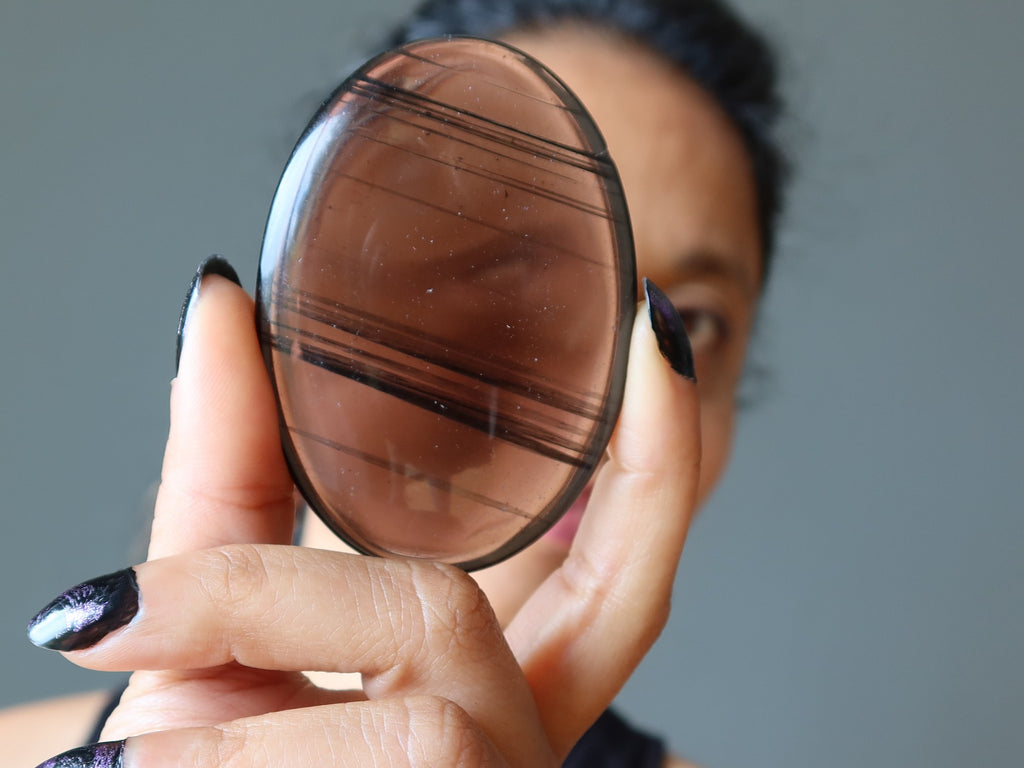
point(34, 732)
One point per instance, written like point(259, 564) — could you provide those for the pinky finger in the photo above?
point(417, 731)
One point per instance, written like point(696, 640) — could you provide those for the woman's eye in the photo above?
point(705, 329)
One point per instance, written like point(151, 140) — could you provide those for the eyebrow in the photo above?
point(710, 262)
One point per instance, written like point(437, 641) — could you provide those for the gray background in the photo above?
point(853, 593)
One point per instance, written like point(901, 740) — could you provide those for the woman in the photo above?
point(514, 667)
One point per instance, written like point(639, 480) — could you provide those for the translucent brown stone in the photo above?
point(445, 295)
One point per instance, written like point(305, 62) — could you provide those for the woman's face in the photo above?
point(692, 205)
point(688, 184)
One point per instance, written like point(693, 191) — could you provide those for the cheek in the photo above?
point(716, 433)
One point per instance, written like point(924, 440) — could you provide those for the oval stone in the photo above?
point(445, 296)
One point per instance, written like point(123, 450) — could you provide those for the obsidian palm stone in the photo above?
point(445, 296)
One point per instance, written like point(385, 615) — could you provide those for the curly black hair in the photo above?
point(705, 38)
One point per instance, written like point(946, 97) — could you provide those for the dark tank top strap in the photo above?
point(612, 743)
point(101, 720)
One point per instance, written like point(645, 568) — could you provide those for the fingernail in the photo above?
point(670, 331)
point(215, 265)
point(108, 754)
point(85, 614)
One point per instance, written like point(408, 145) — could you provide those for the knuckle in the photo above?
point(443, 733)
point(454, 609)
point(243, 747)
point(660, 614)
point(227, 746)
point(587, 582)
point(594, 589)
point(256, 495)
point(234, 576)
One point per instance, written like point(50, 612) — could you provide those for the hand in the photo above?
point(230, 614)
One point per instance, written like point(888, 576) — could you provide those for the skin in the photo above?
point(693, 211)
point(510, 672)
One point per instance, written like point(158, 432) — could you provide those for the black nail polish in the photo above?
point(85, 614)
point(670, 331)
point(108, 754)
point(215, 265)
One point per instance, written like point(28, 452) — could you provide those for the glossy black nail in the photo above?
point(85, 614)
point(215, 265)
point(108, 754)
point(670, 331)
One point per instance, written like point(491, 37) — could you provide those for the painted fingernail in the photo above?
point(85, 614)
point(215, 265)
point(108, 754)
point(670, 331)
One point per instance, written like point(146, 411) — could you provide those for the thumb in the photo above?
point(581, 634)
point(224, 479)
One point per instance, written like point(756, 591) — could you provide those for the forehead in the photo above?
point(684, 167)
